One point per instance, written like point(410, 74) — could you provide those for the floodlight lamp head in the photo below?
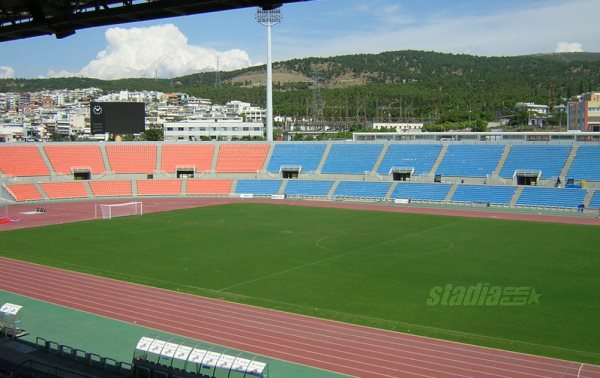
point(268, 17)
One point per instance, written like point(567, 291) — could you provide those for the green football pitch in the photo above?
point(529, 287)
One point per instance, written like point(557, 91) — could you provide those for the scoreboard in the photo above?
point(117, 117)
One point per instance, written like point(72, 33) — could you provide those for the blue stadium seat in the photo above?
point(307, 188)
point(548, 159)
point(419, 156)
point(258, 187)
point(586, 165)
point(306, 155)
point(500, 195)
point(551, 197)
point(362, 189)
point(467, 160)
point(352, 158)
point(422, 192)
point(595, 203)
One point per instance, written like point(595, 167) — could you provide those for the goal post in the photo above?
point(112, 210)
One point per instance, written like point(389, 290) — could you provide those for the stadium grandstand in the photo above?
point(563, 176)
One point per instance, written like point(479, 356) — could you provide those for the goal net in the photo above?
point(109, 211)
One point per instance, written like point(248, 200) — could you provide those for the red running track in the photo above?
point(344, 348)
point(77, 211)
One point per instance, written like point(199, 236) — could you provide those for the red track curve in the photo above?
point(344, 348)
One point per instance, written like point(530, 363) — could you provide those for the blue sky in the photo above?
point(176, 46)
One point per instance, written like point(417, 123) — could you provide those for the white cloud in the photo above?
point(383, 13)
point(565, 47)
point(59, 73)
point(156, 50)
point(7, 72)
point(509, 31)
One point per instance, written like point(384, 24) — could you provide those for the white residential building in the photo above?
point(217, 128)
point(400, 127)
point(245, 109)
point(533, 108)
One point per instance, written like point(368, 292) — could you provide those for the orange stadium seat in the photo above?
point(159, 187)
point(24, 192)
point(199, 156)
point(22, 161)
point(132, 158)
point(200, 187)
point(242, 157)
point(61, 190)
point(115, 188)
point(66, 157)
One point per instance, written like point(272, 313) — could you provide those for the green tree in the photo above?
point(558, 118)
point(520, 119)
point(153, 133)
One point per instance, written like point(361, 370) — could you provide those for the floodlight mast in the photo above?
point(268, 18)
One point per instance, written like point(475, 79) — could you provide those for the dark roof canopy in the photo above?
point(29, 18)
